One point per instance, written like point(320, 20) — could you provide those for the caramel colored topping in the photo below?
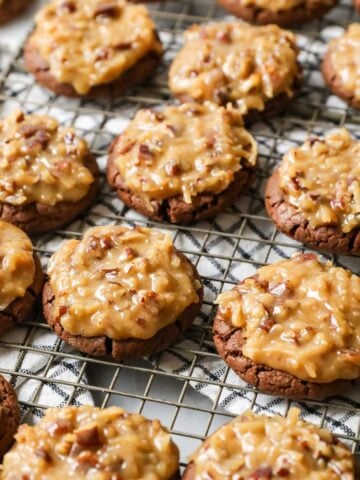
point(237, 63)
point(108, 444)
point(17, 264)
point(256, 447)
point(120, 282)
point(94, 42)
point(41, 161)
point(322, 179)
point(285, 5)
point(299, 316)
point(183, 151)
point(345, 59)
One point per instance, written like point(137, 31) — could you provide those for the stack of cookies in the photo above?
point(292, 329)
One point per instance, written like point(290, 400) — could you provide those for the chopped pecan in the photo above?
point(27, 130)
point(280, 289)
point(87, 458)
point(43, 453)
point(63, 310)
point(102, 54)
point(224, 37)
point(172, 168)
point(221, 96)
point(69, 138)
point(123, 46)
point(20, 117)
point(172, 130)
point(41, 138)
point(144, 152)
point(210, 140)
point(262, 473)
point(129, 252)
point(283, 472)
point(141, 321)
point(109, 10)
point(296, 182)
point(88, 436)
point(60, 427)
point(304, 257)
point(69, 7)
point(267, 323)
point(97, 245)
point(337, 203)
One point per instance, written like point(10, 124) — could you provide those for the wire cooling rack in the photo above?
point(188, 387)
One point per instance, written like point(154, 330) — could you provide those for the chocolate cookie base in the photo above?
point(290, 221)
point(127, 348)
point(296, 16)
point(9, 416)
point(143, 69)
point(334, 82)
point(11, 8)
point(38, 217)
point(23, 308)
point(229, 342)
point(176, 210)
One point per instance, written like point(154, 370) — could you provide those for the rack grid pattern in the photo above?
point(224, 249)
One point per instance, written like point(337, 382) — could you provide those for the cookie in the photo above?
point(160, 165)
point(281, 12)
point(88, 442)
point(48, 176)
point(21, 277)
point(253, 68)
point(312, 196)
point(258, 447)
point(341, 66)
point(129, 292)
point(92, 48)
point(9, 9)
point(357, 4)
point(9, 415)
point(291, 329)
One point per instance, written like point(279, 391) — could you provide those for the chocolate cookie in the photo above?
point(311, 200)
point(253, 68)
point(115, 47)
point(11, 8)
point(156, 169)
point(48, 175)
point(267, 333)
point(257, 447)
point(9, 416)
point(341, 66)
point(150, 301)
point(264, 12)
point(357, 4)
point(88, 442)
point(21, 277)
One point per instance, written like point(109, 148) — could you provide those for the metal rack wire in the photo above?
point(224, 249)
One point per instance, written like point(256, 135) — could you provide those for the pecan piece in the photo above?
point(172, 168)
point(40, 139)
point(267, 323)
point(144, 152)
point(60, 427)
point(63, 310)
point(224, 37)
point(43, 453)
point(88, 436)
point(262, 473)
point(68, 7)
point(123, 46)
point(108, 10)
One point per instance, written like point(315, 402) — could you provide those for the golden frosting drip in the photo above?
point(300, 316)
point(88, 443)
point(120, 282)
point(236, 62)
point(345, 59)
point(183, 151)
point(321, 179)
point(17, 269)
point(92, 43)
point(40, 161)
point(257, 447)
